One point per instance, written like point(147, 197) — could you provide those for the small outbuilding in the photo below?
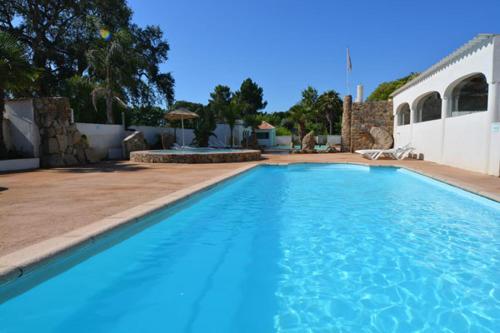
point(266, 134)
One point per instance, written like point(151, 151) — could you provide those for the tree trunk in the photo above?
point(109, 108)
point(301, 133)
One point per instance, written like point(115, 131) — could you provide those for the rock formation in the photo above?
point(308, 142)
point(134, 142)
point(61, 144)
point(381, 138)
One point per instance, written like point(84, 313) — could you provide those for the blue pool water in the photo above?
point(190, 151)
point(302, 248)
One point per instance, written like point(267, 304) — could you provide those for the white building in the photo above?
point(451, 112)
point(266, 134)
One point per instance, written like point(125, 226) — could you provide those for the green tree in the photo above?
point(145, 115)
point(226, 106)
point(385, 89)
point(298, 114)
point(106, 66)
point(329, 105)
point(58, 35)
point(250, 99)
point(204, 125)
point(16, 74)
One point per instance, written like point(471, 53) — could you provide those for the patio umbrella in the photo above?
point(181, 113)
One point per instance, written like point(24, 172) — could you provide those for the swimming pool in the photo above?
point(298, 248)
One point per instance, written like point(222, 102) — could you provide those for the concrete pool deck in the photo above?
point(45, 211)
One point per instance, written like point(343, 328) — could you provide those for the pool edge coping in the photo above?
point(18, 263)
point(23, 261)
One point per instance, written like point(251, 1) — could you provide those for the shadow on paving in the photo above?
point(108, 166)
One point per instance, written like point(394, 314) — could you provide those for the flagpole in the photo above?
point(347, 70)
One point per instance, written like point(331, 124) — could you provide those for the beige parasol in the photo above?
point(181, 114)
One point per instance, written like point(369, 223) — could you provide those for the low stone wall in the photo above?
point(359, 118)
point(151, 156)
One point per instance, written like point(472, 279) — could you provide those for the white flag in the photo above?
point(349, 63)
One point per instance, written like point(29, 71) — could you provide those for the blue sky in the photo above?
point(286, 45)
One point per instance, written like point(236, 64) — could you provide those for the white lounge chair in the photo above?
point(394, 153)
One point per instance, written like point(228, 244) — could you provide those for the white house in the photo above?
point(450, 113)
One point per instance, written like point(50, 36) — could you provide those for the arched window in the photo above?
point(403, 114)
point(470, 95)
point(429, 108)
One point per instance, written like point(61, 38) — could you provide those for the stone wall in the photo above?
point(61, 144)
point(359, 118)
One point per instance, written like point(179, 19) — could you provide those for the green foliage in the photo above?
point(194, 107)
point(58, 35)
point(329, 106)
point(204, 126)
point(16, 74)
point(146, 115)
point(385, 89)
point(283, 131)
point(250, 98)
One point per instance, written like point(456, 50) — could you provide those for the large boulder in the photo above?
point(134, 142)
point(308, 142)
point(381, 138)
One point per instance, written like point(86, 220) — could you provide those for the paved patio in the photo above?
point(38, 205)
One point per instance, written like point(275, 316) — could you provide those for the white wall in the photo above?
point(21, 131)
point(494, 162)
point(466, 141)
point(426, 139)
point(19, 164)
point(151, 134)
point(102, 137)
point(402, 135)
point(283, 140)
point(333, 139)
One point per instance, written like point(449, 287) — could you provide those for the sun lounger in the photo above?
point(394, 153)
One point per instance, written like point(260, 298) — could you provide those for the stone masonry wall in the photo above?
point(61, 142)
point(362, 117)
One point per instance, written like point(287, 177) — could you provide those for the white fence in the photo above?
point(106, 140)
point(286, 140)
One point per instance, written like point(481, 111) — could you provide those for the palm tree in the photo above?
point(330, 106)
point(104, 64)
point(299, 116)
point(227, 107)
point(16, 73)
point(304, 111)
point(231, 114)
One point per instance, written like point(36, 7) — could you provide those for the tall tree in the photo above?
point(299, 115)
point(16, 74)
point(226, 107)
point(330, 106)
point(250, 99)
point(204, 125)
point(58, 35)
point(105, 65)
